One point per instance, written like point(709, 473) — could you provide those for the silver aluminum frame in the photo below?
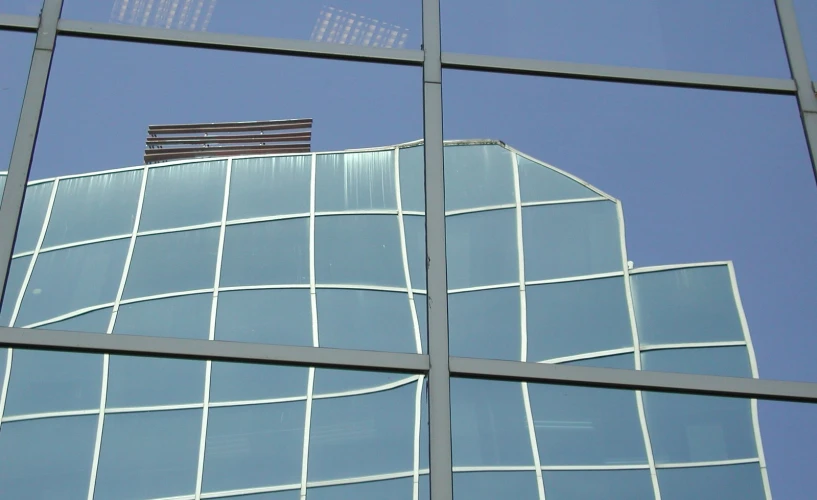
point(437, 366)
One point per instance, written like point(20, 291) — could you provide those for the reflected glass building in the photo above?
point(328, 250)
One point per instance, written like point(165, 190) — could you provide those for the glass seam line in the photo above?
point(523, 326)
point(114, 311)
point(313, 298)
point(755, 374)
point(208, 366)
point(404, 252)
point(639, 398)
point(21, 293)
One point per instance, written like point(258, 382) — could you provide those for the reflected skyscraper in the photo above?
point(347, 28)
point(192, 15)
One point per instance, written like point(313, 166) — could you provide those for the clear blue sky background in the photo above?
point(703, 175)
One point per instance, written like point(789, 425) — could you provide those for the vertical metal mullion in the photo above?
point(439, 403)
point(22, 152)
point(806, 99)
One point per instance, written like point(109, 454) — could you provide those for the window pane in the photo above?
point(477, 175)
point(265, 317)
point(16, 275)
point(15, 60)
point(47, 458)
point(245, 382)
point(415, 228)
point(45, 381)
point(147, 455)
point(254, 446)
point(362, 435)
point(261, 187)
point(183, 195)
point(68, 280)
point(731, 36)
point(395, 489)
point(742, 482)
point(334, 381)
point(172, 262)
point(610, 485)
point(686, 305)
point(187, 317)
point(359, 249)
point(689, 428)
point(572, 239)
point(412, 178)
point(35, 206)
point(488, 424)
point(586, 426)
point(723, 361)
point(364, 319)
point(140, 381)
point(355, 181)
point(806, 13)
point(577, 317)
point(94, 207)
point(421, 306)
point(93, 322)
point(618, 362)
point(357, 23)
point(266, 253)
point(481, 249)
point(485, 324)
point(493, 485)
point(539, 182)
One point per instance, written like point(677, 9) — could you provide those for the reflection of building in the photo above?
point(193, 15)
point(326, 249)
point(346, 28)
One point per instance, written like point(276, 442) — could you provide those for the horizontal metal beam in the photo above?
point(13, 22)
point(637, 380)
point(215, 350)
point(620, 74)
point(241, 43)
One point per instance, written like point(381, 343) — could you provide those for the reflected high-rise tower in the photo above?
point(193, 15)
point(347, 28)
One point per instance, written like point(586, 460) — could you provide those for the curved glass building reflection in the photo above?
point(328, 250)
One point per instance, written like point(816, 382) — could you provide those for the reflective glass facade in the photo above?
point(199, 249)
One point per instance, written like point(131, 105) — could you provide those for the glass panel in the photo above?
point(66, 281)
point(254, 446)
point(488, 424)
point(481, 249)
point(172, 262)
point(94, 207)
point(16, 274)
point(186, 317)
point(806, 13)
point(47, 458)
point(415, 228)
point(183, 195)
point(359, 249)
point(35, 206)
point(577, 317)
point(493, 485)
point(742, 482)
point(731, 36)
point(586, 426)
point(618, 362)
point(412, 178)
point(335, 381)
point(266, 253)
point(357, 23)
point(15, 60)
point(140, 381)
point(610, 485)
point(394, 489)
point(478, 175)
point(365, 319)
point(148, 455)
point(262, 187)
point(355, 181)
point(723, 361)
point(539, 182)
point(265, 316)
point(93, 322)
point(689, 428)
point(245, 382)
point(421, 306)
point(686, 305)
point(362, 435)
point(573, 239)
point(45, 381)
point(277, 495)
point(485, 324)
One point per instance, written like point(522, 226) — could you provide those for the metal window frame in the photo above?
point(437, 367)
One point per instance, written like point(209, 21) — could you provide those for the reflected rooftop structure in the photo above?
point(191, 15)
point(347, 28)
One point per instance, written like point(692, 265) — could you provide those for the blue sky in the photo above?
point(703, 175)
